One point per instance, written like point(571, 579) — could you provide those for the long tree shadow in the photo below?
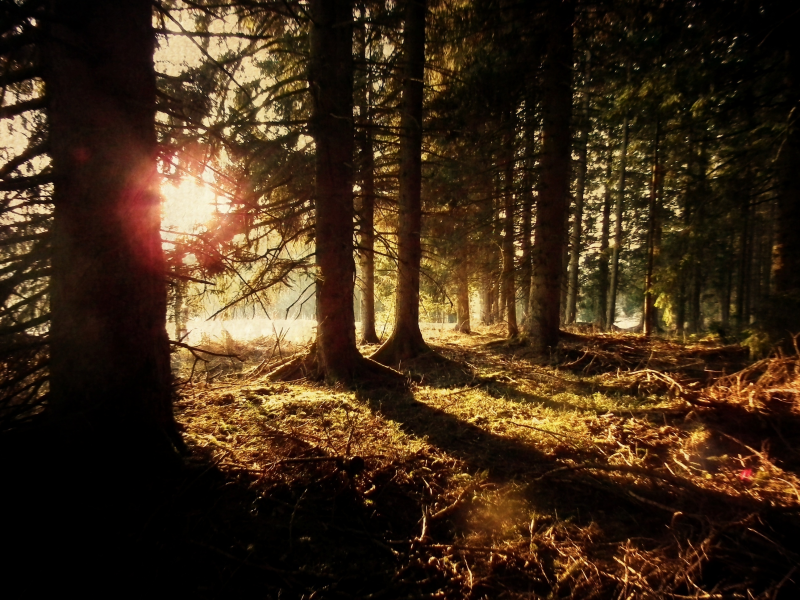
point(479, 449)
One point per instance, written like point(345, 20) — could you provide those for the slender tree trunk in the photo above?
point(650, 323)
point(695, 308)
point(406, 340)
point(575, 241)
point(525, 267)
point(553, 198)
point(617, 248)
point(509, 292)
point(602, 268)
point(366, 205)
point(742, 291)
point(486, 299)
point(462, 293)
point(110, 366)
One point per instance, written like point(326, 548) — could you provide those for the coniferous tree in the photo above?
point(109, 367)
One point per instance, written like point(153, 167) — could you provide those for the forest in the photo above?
point(454, 299)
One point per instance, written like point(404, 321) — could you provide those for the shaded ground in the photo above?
point(616, 468)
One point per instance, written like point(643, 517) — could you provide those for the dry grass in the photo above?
point(620, 469)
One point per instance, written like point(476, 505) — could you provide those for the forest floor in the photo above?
point(616, 468)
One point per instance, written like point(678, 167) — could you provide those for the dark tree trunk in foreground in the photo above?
point(110, 367)
point(331, 84)
point(366, 207)
point(406, 340)
point(552, 204)
point(575, 239)
point(786, 249)
point(617, 248)
point(602, 268)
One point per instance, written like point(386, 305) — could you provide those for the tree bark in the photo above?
point(617, 248)
point(580, 187)
point(650, 323)
point(509, 291)
point(331, 84)
point(366, 204)
point(110, 366)
point(743, 280)
point(406, 340)
point(463, 324)
point(602, 268)
point(786, 251)
point(553, 198)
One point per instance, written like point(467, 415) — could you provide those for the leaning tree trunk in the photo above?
point(110, 366)
point(617, 248)
point(552, 205)
point(406, 340)
point(580, 187)
point(366, 206)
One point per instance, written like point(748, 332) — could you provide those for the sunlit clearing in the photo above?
point(186, 205)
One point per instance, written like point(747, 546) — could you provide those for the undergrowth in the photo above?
point(616, 468)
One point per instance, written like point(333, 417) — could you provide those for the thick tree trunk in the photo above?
point(406, 340)
point(110, 367)
point(650, 321)
point(509, 306)
point(602, 267)
point(552, 205)
point(786, 251)
point(580, 187)
point(366, 204)
point(331, 84)
point(617, 248)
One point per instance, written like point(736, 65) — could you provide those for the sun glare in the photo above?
point(186, 205)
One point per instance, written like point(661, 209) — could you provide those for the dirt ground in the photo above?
point(616, 468)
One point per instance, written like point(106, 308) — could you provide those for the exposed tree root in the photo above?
point(364, 372)
point(403, 346)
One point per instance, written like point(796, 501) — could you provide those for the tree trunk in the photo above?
point(552, 205)
point(110, 366)
point(695, 308)
point(602, 268)
point(742, 292)
point(617, 248)
point(786, 251)
point(580, 187)
point(331, 84)
point(650, 323)
point(462, 294)
point(406, 340)
point(509, 291)
point(366, 205)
